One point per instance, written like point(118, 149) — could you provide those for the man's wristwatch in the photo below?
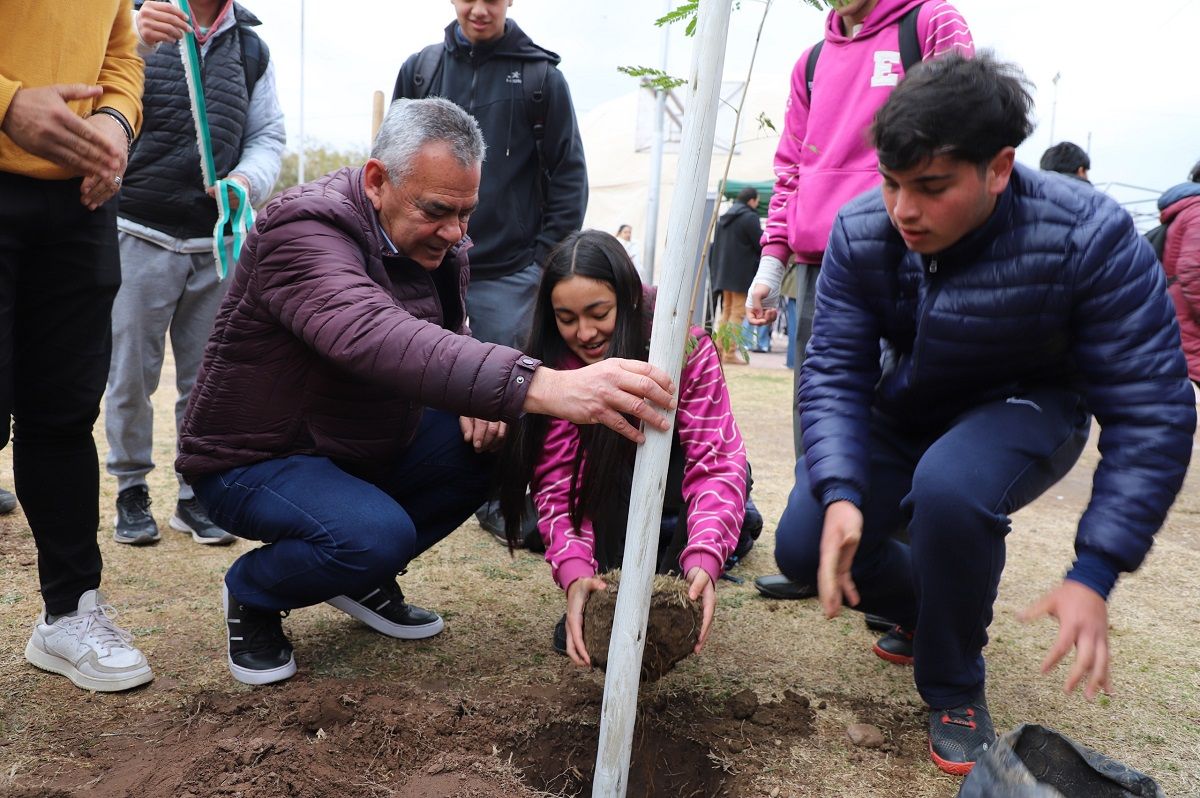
point(121, 120)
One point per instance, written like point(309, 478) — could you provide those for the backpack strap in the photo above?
point(910, 41)
point(910, 48)
point(533, 84)
point(255, 57)
point(429, 66)
point(810, 67)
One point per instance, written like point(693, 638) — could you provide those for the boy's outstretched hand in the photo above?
point(1083, 625)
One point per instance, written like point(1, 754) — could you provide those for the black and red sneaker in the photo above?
point(959, 736)
point(896, 646)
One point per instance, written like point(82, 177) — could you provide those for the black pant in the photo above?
point(59, 272)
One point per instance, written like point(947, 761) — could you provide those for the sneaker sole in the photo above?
point(383, 625)
point(249, 675)
point(144, 540)
point(179, 525)
point(55, 664)
point(946, 766)
point(895, 659)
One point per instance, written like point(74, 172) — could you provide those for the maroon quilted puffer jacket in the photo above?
point(327, 344)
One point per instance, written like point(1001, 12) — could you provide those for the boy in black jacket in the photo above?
point(534, 186)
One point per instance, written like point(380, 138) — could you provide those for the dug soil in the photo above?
point(350, 739)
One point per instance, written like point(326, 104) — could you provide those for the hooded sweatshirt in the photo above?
point(735, 249)
point(824, 157)
point(1180, 208)
point(515, 224)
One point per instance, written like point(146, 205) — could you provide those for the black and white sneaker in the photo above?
point(259, 651)
point(134, 523)
point(191, 517)
point(384, 610)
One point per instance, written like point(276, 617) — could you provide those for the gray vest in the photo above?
point(163, 188)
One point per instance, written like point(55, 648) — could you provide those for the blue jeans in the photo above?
point(757, 339)
point(789, 312)
point(333, 530)
point(954, 490)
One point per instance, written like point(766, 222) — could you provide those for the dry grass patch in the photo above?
point(456, 713)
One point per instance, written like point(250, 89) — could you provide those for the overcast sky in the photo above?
point(1129, 82)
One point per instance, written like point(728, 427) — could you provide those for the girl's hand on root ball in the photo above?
point(701, 587)
point(578, 593)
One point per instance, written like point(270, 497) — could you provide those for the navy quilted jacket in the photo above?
point(328, 344)
point(1056, 288)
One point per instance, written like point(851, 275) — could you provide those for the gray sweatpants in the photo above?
point(500, 311)
point(161, 291)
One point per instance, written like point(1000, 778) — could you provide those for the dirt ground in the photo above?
point(487, 709)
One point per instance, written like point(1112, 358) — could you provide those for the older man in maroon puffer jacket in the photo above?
point(342, 410)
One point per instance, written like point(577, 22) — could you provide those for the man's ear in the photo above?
point(999, 170)
point(374, 176)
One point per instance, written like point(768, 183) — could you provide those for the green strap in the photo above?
point(241, 219)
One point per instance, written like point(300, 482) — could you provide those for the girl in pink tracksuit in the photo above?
point(591, 306)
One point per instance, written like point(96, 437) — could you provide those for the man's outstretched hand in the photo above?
point(1082, 619)
point(604, 393)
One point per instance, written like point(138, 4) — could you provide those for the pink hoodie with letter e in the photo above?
point(824, 157)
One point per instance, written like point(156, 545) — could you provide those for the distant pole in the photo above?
point(300, 160)
point(1054, 105)
point(376, 114)
point(672, 318)
point(656, 155)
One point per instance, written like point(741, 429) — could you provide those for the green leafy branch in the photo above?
point(653, 78)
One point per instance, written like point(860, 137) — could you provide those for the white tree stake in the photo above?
point(671, 322)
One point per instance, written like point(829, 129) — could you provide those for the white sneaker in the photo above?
point(88, 648)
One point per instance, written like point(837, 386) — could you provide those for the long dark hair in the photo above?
point(602, 494)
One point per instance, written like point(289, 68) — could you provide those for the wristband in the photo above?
point(121, 120)
point(770, 273)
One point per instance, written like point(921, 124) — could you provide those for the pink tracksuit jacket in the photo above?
point(714, 479)
point(824, 157)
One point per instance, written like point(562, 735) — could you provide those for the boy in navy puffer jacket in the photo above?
point(1011, 306)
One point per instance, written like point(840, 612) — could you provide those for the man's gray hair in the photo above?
point(411, 124)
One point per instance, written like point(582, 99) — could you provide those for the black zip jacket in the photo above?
point(515, 225)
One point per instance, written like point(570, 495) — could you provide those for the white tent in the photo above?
point(617, 137)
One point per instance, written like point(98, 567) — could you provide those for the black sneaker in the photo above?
point(878, 623)
point(560, 636)
point(134, 523)
point(384, 610)
point(959, 736)
point(259, 651)
point(896, 646)
point(8, 501)
point(191, 517)
point(778, 586)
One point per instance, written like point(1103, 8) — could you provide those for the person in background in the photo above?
point(1179, 210)
point(632, 248)
point(169, 281)
point(735, 252)
point(824, 158)
point(971, 318)
point(534, 187)
point(591, 307)
point(70, 107)
point(342, 412)
point(1066, 158)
